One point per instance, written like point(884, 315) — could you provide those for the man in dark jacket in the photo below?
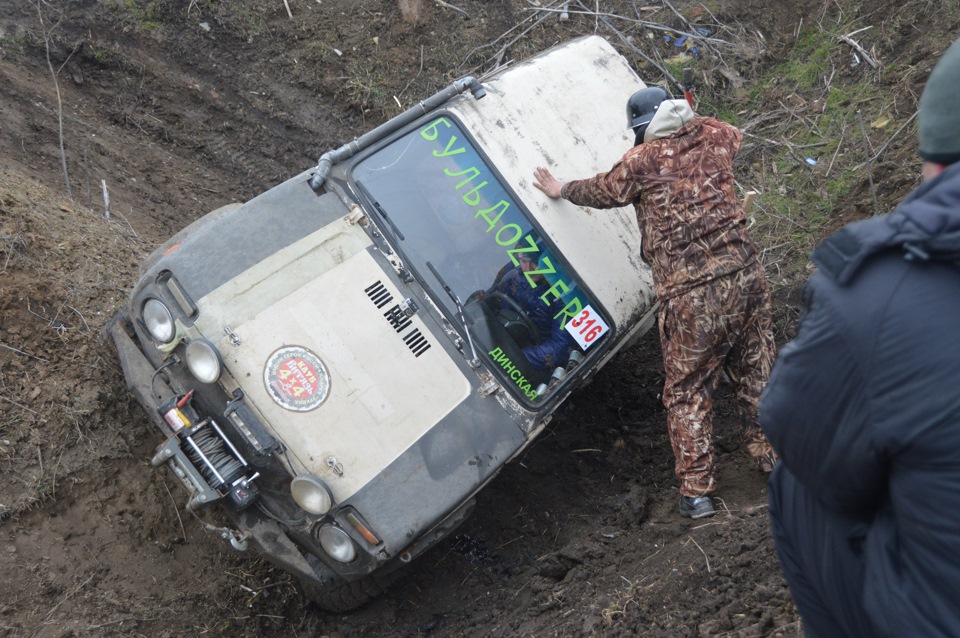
point(714, 300)
point(550, 346)
point(864, 409)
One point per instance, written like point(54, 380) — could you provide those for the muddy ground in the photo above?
point(177, 107)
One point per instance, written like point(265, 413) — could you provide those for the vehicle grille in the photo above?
point(395, 316)
point(379, 294)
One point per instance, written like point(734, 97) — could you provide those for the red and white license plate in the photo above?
point(587, 327)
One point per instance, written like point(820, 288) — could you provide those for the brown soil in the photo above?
point(181, 106)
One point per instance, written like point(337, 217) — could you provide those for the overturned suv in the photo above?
point(342, 362)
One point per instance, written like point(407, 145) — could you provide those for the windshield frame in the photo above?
point(440, 291)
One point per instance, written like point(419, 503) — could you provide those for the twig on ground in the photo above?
point(501, 546)
point(26, 354)
point(789, 145)
point(499, 54)
point(877, 155)
point(86, 178)
point(82, 318)
point(843, 132)
point(106, 199)
point(67, 597)
point(516, 593)
point(853, 43)
point(287, 6)
point(467, 577)
point(705, 557)
point(503, 49)
point(450, 6)
point(693, 29)
point(175, 509)
point(53, 479)
point(866, 151)
point(19, 405)
point(643, 55)
point(644, 23)
point(14, 244)
point(650, 25)
point(416, 76)
point(56, 86)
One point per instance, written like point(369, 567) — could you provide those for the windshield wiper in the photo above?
point(383, 213)
point(474, 362)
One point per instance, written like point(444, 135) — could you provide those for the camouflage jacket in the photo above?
point(691, 222)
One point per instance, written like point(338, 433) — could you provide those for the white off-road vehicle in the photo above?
point(342, 362)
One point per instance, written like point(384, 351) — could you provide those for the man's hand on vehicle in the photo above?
point(546, 182)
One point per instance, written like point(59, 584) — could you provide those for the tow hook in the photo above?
point(237, 539)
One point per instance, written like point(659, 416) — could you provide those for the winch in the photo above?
point(203, 458)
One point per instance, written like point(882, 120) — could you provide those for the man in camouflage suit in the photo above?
point(715, 304)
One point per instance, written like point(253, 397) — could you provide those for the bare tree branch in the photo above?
point(56, 85)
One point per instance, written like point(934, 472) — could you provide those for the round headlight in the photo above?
point(203, 360)
point(158, 320)
point(311, 494)
point(335, 542)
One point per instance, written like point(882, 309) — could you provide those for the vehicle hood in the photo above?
point(339, 373)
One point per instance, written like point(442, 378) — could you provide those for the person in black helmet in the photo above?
point(641, 107)
point(714, 301)
point(864, 409)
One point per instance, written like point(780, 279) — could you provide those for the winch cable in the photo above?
point(213, 448)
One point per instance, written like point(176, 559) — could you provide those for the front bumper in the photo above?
point(266, 536)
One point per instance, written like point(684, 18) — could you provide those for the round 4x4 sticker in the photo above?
point(296, 379)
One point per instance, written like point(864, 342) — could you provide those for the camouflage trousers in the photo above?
point(725, 324)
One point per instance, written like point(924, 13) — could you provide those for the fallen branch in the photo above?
point(866, 151)
point(68, 596)
point(19, 405)
point(176, 509)
point(287, 5)
point(853, 43)
point(56, 86)
point(650, 25)
point(26, 354)
point(899, 130)
point(690, 26)
point(450, 6)
point(416, 76)
point(705, 557)
point(106, 199)
point(843, 131)
point(627, 43)
point(129, 225)
point(499, 54)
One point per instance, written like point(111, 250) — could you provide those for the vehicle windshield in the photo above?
point(461, 230)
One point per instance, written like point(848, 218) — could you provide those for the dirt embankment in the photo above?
point(176, 108)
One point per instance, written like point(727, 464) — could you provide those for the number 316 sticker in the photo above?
point(587, 327)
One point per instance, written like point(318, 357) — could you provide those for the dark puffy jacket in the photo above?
point(864, 405)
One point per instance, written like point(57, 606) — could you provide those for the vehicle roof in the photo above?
point(565, 109)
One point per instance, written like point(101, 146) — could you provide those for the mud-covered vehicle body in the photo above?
point(342, 362)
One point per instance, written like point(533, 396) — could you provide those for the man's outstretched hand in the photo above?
point(545, 181)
